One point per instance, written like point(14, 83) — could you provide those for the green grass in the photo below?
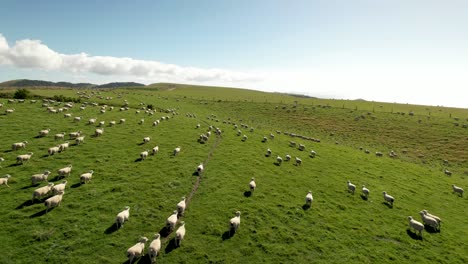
point(340, 227)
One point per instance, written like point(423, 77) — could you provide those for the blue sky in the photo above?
point(408, 51)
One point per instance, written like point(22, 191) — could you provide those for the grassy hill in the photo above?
point(275, 225)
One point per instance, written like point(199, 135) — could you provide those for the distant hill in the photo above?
point(120, 84)
point(40, 83)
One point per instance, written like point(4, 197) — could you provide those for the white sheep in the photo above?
point(252, 185)
point(24, 157)
point(9, 110)
point(60, 188)
point(146, 140)
point(16, 146)
point(136, 250)
point(312, 154)
point(457, 189)
point(181, 206)
point(122, 121)
point(44, 132)
point(79, 140)
point(154, 248)
point(365, 191)
point(155, 150)
point(74, 135)
point(59, 136)
point(268, 152)
point(425, 212)
point(112, 123)
point(427, 220)
point(389, 199)
point(155, 123)
point(39, 177)
point(67, 115)
point(92, 121)
point(172, 220)
point(102, 123)
point(54, 201)
point(301, 147)
point(4, 180)
point(176, 151)
point(53, 150)
point(309, 199)
point(122, 217)
point(298, 161)
point(234, 223)
point(141, 121)
point(42, 191)
point(180, 234)
point(287, 157)
point(144, 154)
point(1, 160)
point(351, 187)
point(417, 226)
point(77, 119)
point(99, 132)
point(200, 168)
point(265, 139)
point(86, 177)
point(64, 146)
point(65, 171)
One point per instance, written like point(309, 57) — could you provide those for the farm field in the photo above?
point(276, 226)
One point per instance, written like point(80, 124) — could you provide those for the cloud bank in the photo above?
point(29, 53)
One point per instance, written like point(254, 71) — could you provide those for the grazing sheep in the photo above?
point(136, 250)
point(197, 126)
point(154, 248)
point(180, 234)
point(457, 190)
point(74, 135)
point(79, 140)
point(59, 188)
point(155, 150)
point(54, 201)
point(122, 217)
point(86, 177)
point(181, 206)
point(4, 180)
point(67, 115)
point(287, 157)
point(122, 121)
point(172, 220)
point(388, 199)
point(312, 154)
point(176, 151)
point(64, 146)
point(351, 187)
point(298, 161)
point(301, 147)
point(77, 119)
point(99, 132)
point(378, 154)
point(39, 177)
point(102, 123)
point(252, 185)
point(427, 220)
point(44, 132)
point(279, 160)
point(59, 136)
point(268, 152)
point(200, 168)
point(244, 138)
point(365, 191)
point(19, 145)
point(417, 226)
point(65, 171)
point(144, 154)
point(141, 121)
point(265, 139)
point(42, 191)
point(146, 140)
point(9, 110)
point(234, 223)
point(92, 121)
point(53, 150)
point(447, 172)
point(24, 157)
point(309, 198)
point(112, 123)
point(425, 212)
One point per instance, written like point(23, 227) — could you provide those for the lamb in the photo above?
point(59, 136)
point(65, 171)
point(180, 234)
point(136, 250)
point(64, 146)
point(39, 177)
point(234, 223)
point(389, 199)
point(457, 190)
point(365, 192)
point(19, 145)
point(122, 217)
point(146, 140)
point(54, 201)
point(252, 185)
point(268, 152)
point(44, 132)
point(417, 226)
point(351, 187)
point(42, 191)
point(4, 180)
point(309, 199)
point(53, 150)
point(74, 135)
point(99, 132)
point(144, 154)
point(200, 169)
point(154, 248)
point(172, 220)
point(59, 188)
point(427, 220)
point(155, 150)
point(24, 157)
point(86, 177)
point(298, 161)
point(79, 140)
point(176, 151)
point(425, 212)
point(287, 157)
point(181, 206)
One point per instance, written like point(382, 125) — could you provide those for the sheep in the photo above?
point(67, 115)
point(155, 123)
point(99, 132)
point(4, 180)
point(24, 157)
point(42, 191)
point(64, 146)
point(292, 144)
point(180, 234)
point(92, 121)
point(155, 150)
point(77, 119)
point(102, 123)
point(365, 192)
point(172, 220)
point(154, 248)
point(378, 154)
point(298, 161)
point(112, 123)
point(144, 154)
point(9, 110)
point(312, 154)
point(141, 121)
point(457, 190)
point(79, 140)
point(86, 177)
point(268, 152)
point(44, 132)
point(39, 177)
point(244, 138)
point(252, 185)
point(16, 146)
point(388, 199)
point(181, 206)
point(265, 139)
point(301, 147)
point(197, 126)
point(146, 140)
point(176, 151)
point(200, 168)
point(122, 217)
point(427, 220)
point(279, 160)
point(272, 136)
point(54, 201)
point(53, 150)
point(59, 188)
point(122, 121)
point(59, 136)
point(351, 187)
point(447, 172)
point(136, 250)
point(74, 135)
point(309, 199)
point(417, 226)
point(287, 157)
point(234, 223)
point(425, 212)
point(1, 160)
point(65, 171)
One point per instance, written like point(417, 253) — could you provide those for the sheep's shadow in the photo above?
point(8, 150)
point(306, 207)
point(41, 213)
point(144, 259)
point(15, 164)
point(413, 235)
point(142, 143)
point(196, 174)
point(76, 185)
point(30, 186)
point(45, 156)
point(56, 178)
point(365, 198)
point(165, 232)
point(38, 136)
point(24, 204)
point(277, 163)
point(227, 235)
point(247, 193)
point(111, 229)
point(388, 205)
point(171, 245)
point(266, 155)
point(139, 160)
point(431, 229)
